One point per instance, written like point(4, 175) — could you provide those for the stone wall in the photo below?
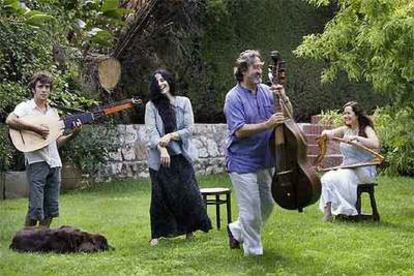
point(130, 159)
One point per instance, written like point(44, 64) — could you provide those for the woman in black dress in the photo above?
point(176, 204)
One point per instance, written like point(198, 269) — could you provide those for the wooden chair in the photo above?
point(215, 193)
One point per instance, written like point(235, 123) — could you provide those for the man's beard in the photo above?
point(257, 79)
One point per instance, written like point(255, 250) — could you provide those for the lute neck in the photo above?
point(89, 117)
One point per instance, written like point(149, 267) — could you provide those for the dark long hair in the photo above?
point(161, 102)
point(363, 119)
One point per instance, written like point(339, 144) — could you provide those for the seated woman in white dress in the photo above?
point(339, 187)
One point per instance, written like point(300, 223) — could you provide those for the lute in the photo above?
point(28, 141)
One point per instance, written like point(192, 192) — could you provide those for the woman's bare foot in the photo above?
point(154, 242)
point(327, 215)
point(327, 218)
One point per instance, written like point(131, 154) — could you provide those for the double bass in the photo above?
point(295, 183)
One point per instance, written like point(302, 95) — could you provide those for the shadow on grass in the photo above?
point(381, 225)
point(118, 187)
point(133, 186)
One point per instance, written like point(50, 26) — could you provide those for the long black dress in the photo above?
point(177, 207)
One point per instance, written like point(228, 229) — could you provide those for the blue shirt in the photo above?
point(253, 153)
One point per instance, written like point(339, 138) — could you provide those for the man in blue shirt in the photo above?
point(251, 118)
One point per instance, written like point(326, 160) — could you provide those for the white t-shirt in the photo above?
point(50, 153)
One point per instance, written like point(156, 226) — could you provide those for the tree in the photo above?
point(80, 24)
point(374, 40)
point(52, 35)
point(371, 40)
point(58, 36)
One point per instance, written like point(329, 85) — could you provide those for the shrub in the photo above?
point(331, 118)
point(91, 148)
point(5, 152)
point(395, 129)
point(23, 51)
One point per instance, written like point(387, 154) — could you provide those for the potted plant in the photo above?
point(13, 179)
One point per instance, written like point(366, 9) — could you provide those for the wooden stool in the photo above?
point(367, 188)
point(216, 192)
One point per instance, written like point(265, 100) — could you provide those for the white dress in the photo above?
point(340, 186)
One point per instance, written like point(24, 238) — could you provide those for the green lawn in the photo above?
point(294, 243)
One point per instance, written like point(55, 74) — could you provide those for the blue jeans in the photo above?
point(44, 187)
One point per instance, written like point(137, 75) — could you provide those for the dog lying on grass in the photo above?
point(65, 239)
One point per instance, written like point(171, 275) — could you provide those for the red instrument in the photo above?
point(295, 183)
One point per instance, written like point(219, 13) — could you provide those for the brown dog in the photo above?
point(65, 239)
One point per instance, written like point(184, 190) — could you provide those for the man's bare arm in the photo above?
point(66, 138)
point(252, 129)
point(13, 121)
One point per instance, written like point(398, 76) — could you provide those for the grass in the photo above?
point(294, 243)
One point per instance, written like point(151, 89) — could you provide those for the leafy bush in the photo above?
point(53, 36)
point(331, 118)
point(22, 52)
point(91, 148)
point(5, 152)
point(368, 40)
point(395, 129)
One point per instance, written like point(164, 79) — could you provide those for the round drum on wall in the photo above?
point(109, 72)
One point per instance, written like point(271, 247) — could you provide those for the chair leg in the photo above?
point(218, 211)
point(228, 202)
point(358, 202)
point(375, 214)
point(205, 200)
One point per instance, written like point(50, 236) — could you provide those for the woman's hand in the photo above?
point(165, 157)
point(352, 139)
point(165, 140)
point(328, 133)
